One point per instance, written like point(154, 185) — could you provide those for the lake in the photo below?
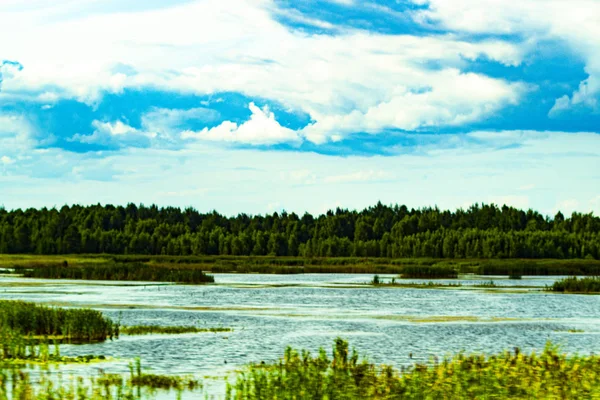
point(397, 326)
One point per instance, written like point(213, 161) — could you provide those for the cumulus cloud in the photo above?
point(17, 134)
point(453, 99)
point(115, 135)
point(574, 23)
point(353, 77)
point(260, 129)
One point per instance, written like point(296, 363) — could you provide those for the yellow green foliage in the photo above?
point(514, 375)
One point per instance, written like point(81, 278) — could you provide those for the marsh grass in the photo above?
point(78, 325)
point(299, 265)
point(587, 285)
point(169, 330)
point(117, 272)
point(299, 375)
point(417, 285)
point(16, 384)
point(430, 272)
point(488, 284)
point(16, 350)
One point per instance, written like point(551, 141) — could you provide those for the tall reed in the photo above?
point(29, 319)
point(509, 375)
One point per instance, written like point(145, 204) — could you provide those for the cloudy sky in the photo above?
point(262, 105)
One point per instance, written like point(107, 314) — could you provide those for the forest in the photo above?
point(481, 231)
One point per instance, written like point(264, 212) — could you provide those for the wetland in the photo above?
point(243, 319)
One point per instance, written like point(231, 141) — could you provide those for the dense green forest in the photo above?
point(482, 231)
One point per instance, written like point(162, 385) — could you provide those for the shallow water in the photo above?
point(270, 312)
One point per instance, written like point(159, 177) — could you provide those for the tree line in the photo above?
point(481, 231)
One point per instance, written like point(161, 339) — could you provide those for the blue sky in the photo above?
point(261, 105)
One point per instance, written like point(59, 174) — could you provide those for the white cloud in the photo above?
point(558, 163)
point(115, 134)
point(16, 133)
point(354, 77)
point(6, 160)
point(260, 129)
point(574, 23)
point(454, 99)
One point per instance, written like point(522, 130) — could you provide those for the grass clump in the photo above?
point(429, 272)
point(135, 271)
point(300, 375)
point(169, 330)
point(489, 284)
point(80, 325)
point(18, 385)
point(576, 285)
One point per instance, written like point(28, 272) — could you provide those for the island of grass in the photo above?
point(71, 324)
point(585, 285)
point(116, 271)
point(168, 330)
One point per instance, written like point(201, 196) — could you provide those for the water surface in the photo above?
point(395, 326)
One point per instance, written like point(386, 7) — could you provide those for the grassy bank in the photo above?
point(548, 375)
point(162, 266)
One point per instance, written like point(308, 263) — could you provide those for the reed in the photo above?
point(118, 272)
point(78, 325)
point(430, 272)
point(169, 330)
point(300, 375)
point(576, 285)
point(17, 385)
point(488, 284)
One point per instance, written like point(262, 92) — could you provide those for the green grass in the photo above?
point(576, 285)
point(78, 325)
point(488, 284)
point(430, 272)
point(297, 265)
point(514, 375)
point(117, 272)
point(18, 385)
point(168, 330)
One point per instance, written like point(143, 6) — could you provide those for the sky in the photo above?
point(258, 106)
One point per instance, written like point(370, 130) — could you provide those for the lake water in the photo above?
point(270, 312)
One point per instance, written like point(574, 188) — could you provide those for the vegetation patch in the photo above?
point(169, 330)
point(117, 272)
point(587, 285)
point(345, 375)
point(79, 325)
point(430, 272)
point(17, 384)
